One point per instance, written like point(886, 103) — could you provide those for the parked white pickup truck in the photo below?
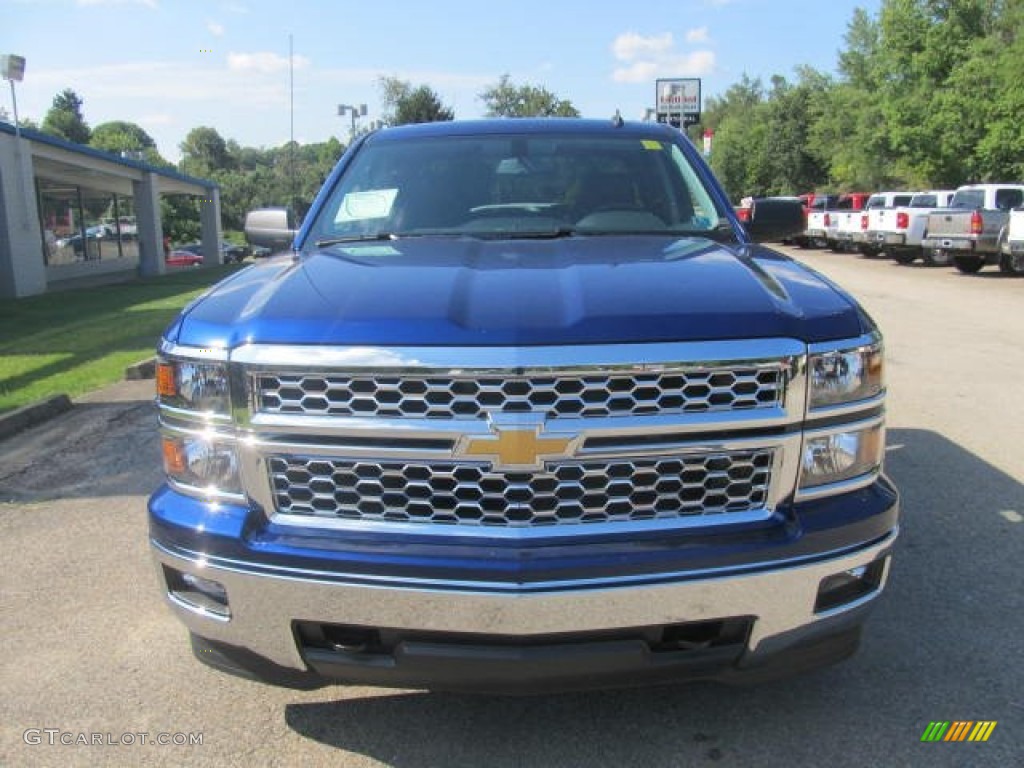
point(899, 231)
point(1011, 260)
point(841, 217)
point(877, 213)
point(973, 228)
point(815, 235)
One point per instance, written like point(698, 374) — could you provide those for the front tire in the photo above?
point(905, 257)
point(968, 265)
point(936, 257)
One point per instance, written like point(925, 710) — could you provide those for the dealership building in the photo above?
point(72, 215)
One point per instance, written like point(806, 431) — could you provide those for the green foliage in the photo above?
point(119, 136)
point(404, 104)
point(929, 94)
point(64, 118)
point(204, 151)
point(503, 99)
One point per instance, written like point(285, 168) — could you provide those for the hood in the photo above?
point(579, 290)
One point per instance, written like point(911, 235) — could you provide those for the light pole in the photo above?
point(355, 111)
point(13, 68)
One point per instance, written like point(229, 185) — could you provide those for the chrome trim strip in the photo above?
point(463, 531)
point(204, 417)
point(843, 486)
point(846, 426)
point(213, 354)
point(843, 409)
point(452, 429)
point(205, 494)
point(204, 565)
point(198, 610)
point(845, 345)
point(637, 358)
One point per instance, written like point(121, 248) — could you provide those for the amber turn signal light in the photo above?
point(174, 456)
point(166, 380)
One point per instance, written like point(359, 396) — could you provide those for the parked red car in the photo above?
point(179, 258)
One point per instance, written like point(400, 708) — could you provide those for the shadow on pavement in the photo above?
point(943, 644)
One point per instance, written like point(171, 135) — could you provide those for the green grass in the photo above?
point(81, 340)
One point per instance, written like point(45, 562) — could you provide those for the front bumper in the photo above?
point(562, 638)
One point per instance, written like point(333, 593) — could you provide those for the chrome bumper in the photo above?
point(263, 607)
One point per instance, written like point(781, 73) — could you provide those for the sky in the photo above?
point(172, 65)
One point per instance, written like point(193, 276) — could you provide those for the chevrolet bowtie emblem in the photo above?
point(517, 448)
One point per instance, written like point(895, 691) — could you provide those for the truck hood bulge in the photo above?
point(461, 291)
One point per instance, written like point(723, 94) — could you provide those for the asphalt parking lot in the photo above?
point(88, 648)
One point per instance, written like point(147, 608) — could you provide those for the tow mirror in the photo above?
point(272, 228)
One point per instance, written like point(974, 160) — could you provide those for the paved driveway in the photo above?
point(88, 648)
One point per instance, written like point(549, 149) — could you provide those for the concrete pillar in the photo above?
point(150, 229)
point(209, 224)
point(22, 269)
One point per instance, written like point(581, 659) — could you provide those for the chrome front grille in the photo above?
point(567, 395)
point(563, 493)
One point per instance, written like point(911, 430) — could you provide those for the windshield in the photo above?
point(515, 186)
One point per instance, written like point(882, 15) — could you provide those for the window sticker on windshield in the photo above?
point(650, 144)
point(371, 204)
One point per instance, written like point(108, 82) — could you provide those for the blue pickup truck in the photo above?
point(522, 407)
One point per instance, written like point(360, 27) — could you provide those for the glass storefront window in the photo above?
point(83, 225)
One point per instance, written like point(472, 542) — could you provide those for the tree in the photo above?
point(119, 136)
point(64, 118)
point(204, 151)
point(503, 99)
point(404, 104)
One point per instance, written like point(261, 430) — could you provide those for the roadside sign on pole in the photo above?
point(677, 101)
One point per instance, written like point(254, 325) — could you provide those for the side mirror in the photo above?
point(775, 218)
point(272, 228)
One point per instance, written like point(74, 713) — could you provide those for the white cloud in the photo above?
point(648, 57)
point(154, 119)
point(217, 30)
point(266, 62)
point(148, 3)
point(687, 65)
point(629, 45)
point(697, 35)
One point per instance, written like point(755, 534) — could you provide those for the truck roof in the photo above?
point(538, 125)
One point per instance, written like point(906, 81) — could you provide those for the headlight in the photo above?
point(194, 386)
point(205, 463)
point(842, 455)
point(846, 375)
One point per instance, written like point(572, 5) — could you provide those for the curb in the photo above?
point(144, 369)
point(36, 413)
point(30, 415)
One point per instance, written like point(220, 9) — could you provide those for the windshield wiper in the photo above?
point(363, 238)
point(538, 234)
